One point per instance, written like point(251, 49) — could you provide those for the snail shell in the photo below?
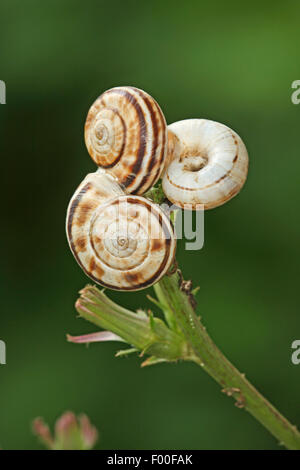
point(126, 134)
point(207, 164)
point(123, 242)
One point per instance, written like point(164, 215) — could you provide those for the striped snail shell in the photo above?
point(207, 164)
point(126, 134)
point(123, 242)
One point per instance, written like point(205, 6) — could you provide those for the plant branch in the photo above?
point(175, 294)
point(182, 336)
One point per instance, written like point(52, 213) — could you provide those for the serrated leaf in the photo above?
point(152, 360)
point(195, 290)
point(125, 352)
point(156, 302)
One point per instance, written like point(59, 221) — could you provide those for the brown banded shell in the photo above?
point(207, 164)
point(123, 242)
point(126, 134)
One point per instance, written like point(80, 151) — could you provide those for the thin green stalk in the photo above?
point(175, 294)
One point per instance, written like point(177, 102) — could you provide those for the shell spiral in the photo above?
point(207, 164)
point(126, 134)
point(122, 242)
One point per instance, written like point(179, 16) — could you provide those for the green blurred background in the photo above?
point(227, 61)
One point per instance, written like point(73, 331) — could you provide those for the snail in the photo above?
point(121, 241)
point(206, 165)
point(126, 134)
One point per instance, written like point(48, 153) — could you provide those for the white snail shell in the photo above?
point(126, 134)
point(124, 242)
point(207, 164)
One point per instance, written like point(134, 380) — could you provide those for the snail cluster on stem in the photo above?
point(121, 239)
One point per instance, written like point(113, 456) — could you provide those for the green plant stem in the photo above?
point(174, 294)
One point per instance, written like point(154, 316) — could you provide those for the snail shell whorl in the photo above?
point(126, 134)
point(207, 163)
point(123, 242)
